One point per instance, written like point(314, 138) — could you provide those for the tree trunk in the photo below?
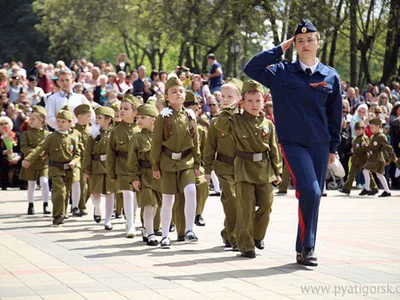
point(353, 44)
point(335, 35)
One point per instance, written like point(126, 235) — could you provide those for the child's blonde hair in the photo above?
point(8, 121)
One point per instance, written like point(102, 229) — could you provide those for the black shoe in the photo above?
point(151, 241)
point(108, 227)
point(191, 237)
point(309, 257)
point(385, 194)
point(31, 210)
point(46, 210)
point(215, 194)
point(58, 220)
point(144, 236)
point(248, 254)
point(172, 228)
point(235, 247)
point(181, 238)
point(165, 243)
point(97, 219)
point(324, 195)
point(281, 192)
point(118, 216)
point(157, 233)
point(83, 212)
point(299, 258)
point(344, 191)
point(373, 192)
point(227, 244)
point(4, 188)
point(199, 221)
point(364, 192)
point(259, 244)
point(76, 212)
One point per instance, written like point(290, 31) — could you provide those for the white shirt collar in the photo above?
point(313, 68)
point(63, 132)
point(64, 94)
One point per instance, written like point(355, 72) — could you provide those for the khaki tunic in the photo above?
point(380, 153)
point(139, 150)
point(117, 166)
point(99, 182)
point(30, 140)
point(178, 133)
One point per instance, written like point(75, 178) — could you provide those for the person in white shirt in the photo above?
point(33, 92)
point(65, 97)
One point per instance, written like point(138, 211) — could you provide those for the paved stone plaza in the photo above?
point(358, 251)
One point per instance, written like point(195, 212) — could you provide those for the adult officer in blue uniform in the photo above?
point(308, 116)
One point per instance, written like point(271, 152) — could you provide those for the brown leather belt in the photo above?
point(176, 155)
point(122, 154)
point(225, 158)
point(144, 164)
point(64, 165)
point(256, 157)
point(99, 157)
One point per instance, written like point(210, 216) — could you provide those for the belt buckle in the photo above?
point(257, 157)
point(103, 157)
point(176, 156)
point(66, 167)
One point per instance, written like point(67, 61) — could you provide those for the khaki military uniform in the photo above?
point(30, 140)
point(94, 164)
point(139, 168)
point(380, 153)
point(117, 154)
point(284, 185)
point(175, 150)
point(62, 149)
point(359, 158)
point(220, 152)
point(258, 161)
point(84, 131)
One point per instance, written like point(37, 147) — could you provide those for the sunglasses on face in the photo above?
point(212, 104)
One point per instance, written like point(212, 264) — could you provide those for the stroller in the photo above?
point(334, 175)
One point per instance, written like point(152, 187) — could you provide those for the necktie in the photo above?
point(308, 72)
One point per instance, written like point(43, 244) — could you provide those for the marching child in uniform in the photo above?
point(40, 168)
point(360, 157)
point(94, 165)
point(175, 158)
point(220, 152)
point(64, 154)
point(117, 158)
point(83, 114)
point(141, 175)
point(258, 164)
point(380, 153)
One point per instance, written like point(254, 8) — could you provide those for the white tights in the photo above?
point(190, 209)
point(381, 178)
point(75, 193)
point(109, 205)
point(130, 207)
point(44, 185)
point(215, 182)
point(149, 214)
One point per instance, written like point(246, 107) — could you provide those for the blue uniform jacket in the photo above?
point(307, 109)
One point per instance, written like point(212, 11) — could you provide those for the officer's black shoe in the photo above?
point(76, 212)
point(58, 220)
point(31, 210)
point(46, 210)
point(157, 233)
point(309, 257)
point(248, 254)
point(151, 240)
point(373, 192)
point(191, 237)
point(215, 194)
point(172, 228)
point(299, 258)
point(199, 221)
point(227, 244)
point(181, 238)
point(344, 191)
point(364, 192)
point(165, 243)
point(97, 219)
point(108, 227)
point(259, 244)
point(385, 194)
point(84, 212)
point(235, 247)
